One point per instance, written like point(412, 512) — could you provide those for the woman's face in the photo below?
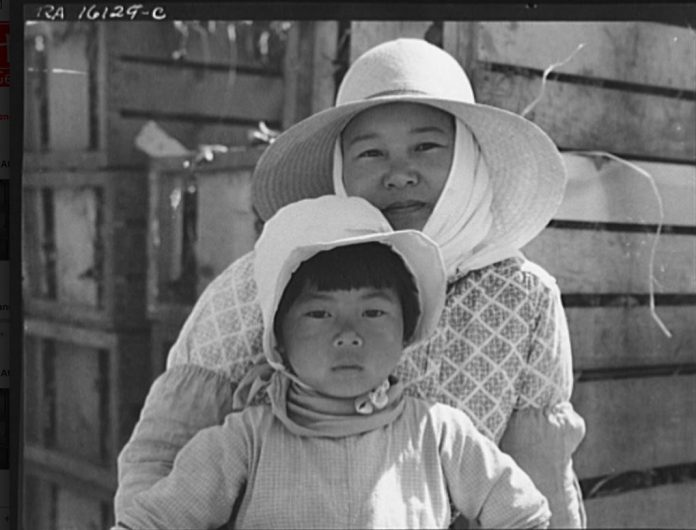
point(398, 157)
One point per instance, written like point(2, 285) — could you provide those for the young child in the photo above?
point(337, 445)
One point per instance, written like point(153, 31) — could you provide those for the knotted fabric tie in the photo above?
point(306, 412)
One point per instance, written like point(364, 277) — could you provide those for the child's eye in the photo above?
point(317, 313)
point(374, 313)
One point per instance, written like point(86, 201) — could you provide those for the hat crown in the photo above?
point(405, 67)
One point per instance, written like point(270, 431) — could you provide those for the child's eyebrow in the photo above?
point(377, 294)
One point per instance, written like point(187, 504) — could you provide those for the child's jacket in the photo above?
point(399, 476)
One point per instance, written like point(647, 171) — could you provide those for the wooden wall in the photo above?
point(629, 90)
point(93, 200)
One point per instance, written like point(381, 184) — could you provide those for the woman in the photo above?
point(407, 135)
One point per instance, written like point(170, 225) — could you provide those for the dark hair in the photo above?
point(349, 267)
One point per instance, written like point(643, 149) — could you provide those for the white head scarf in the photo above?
point(462, 218)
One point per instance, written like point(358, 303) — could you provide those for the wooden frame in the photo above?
point(224, 186)
point(84, 244)
point(110, 385)
point(63, 501)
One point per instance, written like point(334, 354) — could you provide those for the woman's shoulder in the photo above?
point(513, 277)
point(238, 275)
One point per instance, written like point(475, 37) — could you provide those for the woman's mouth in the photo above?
point(403, 207)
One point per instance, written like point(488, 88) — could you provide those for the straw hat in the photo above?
point(526, 170)
point(293, 235)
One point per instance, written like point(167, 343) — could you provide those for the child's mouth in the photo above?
point(347, 368)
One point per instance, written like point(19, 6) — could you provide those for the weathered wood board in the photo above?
point(622, 337)
point(179, 90)
point(213, 43)
point(68, 92)
point(670, 506)
point(588, 116)
point(367, 34)
point(91, 388)
point(222, 197)
point(637, 423)
point(224, 200)
point(643, 53)
point(604, 190)
point(84, 242)
point(601, 261)
point(76, 238)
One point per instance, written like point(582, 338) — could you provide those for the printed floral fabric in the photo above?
point(502, 342)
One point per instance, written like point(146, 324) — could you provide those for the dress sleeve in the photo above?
point(208, 475)
point(181, 402)
point(484, 483)
point(542, 443)
point(547, 377)
point(544, 431)
point(215, 348)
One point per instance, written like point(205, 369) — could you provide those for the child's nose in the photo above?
point(348, 338)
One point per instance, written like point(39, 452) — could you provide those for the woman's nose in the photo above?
point(400, 175)
point(348, 338)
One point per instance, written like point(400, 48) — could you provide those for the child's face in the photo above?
point(398, 157)
point(343, 343)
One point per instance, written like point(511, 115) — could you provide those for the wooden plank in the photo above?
point(68, 82)
point(635, 424)
point(76, 232)
point(99, 221)
point(67, 466)
point(223, 195)
point(40, 491)
point(79, 394)
point(614, 337)
point(325, 51)
point(33, 92)
point(367, 34)
point(122, 133)
point(189, 91)
point(131, 374)
point(604, 190)
point(645, 53)
point(670, 506)
point(33, 257)
point(224, 199)
point(459, 39)
point(77, 511)
point(97, 338)
point(164, 335)
point(580, 116)
point(34, 391)
point(600, 261)
point(213, 44)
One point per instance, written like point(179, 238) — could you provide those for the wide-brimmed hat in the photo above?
point(304, 228)
point(526, 170)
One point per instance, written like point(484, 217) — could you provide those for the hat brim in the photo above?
point(420, 254)
point(526, 170)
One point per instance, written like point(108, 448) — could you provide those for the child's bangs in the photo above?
point(371, 265)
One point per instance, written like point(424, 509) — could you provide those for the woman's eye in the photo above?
point(427, 146)
point(374, 313)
